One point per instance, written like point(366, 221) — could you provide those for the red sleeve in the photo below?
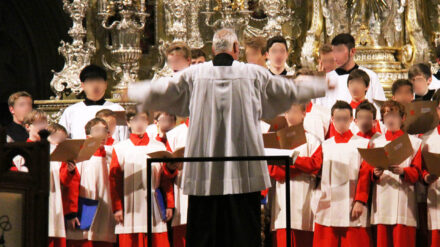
point(310, 164)
point(276, 172)
point(412, 173)
point(167, 185)
point(363, 184)
point(116, 179)
point(70, 183)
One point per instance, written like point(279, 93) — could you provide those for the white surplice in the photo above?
point(225, 105)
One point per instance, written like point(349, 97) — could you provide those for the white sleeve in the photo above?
point(170, 94)
point(279, 93)
point(378, 92)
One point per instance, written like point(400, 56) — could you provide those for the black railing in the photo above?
point(275, 160)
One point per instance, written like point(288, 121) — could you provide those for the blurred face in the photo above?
point(403, 95)
point(295, 115)
point(357, 89)
point(343, 56)
point(138, 124)
point(341, 120)
point(165, 122)
point(99, 131)
point(177, 62)
point(21, 107)
point(57, 137)
point(198, 60)
point(111, 122)
point(35, 127)
point(327, 62)
point(94, 88)
point(277, 55)
point(420, 84)
point(392, 120)
point(254, 56)
point(364, 121)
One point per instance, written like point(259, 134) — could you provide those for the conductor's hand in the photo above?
point(119, 217)
point(358, 209)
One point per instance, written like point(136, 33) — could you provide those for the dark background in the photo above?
point(30, 33)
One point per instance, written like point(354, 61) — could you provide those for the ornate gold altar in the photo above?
point(128, 37)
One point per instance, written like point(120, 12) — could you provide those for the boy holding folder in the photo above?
point(57, 231)
point(302, 184)
point(394, 205)
point(88, 182)
point(128, 171)
point(341, 217)
point(430, 145)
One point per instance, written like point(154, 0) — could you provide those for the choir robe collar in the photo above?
point(427, 96)
point(341, 71)
point(309, 107)
point(284, 72)
point(438, 129)
point(368, 135)
point(100, 152)
point(355, 104)
point(110, 141)
point(138, 140)
point(437, 75)
point(89, 102)
point(391, 136)
point(343, 138)
point(222, 59)
point(29, 140)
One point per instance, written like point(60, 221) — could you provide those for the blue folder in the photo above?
point(86, 212)
point(161, 204)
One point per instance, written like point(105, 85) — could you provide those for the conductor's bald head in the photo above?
point(225, 41)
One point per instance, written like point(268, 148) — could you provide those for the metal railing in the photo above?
point(276, 160)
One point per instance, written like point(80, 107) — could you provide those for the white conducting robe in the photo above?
point(225, 104)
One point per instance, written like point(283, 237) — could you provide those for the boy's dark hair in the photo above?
point(276, 39)
point(359, 74)
point(93, 122)
point(367, 106)
point(160, 113)
point(132, 111)
point(392, 106)
point(54, 127)
point(196, 53)
point(397, 84)
point(341, 105)
point(344, 39)
point(92, 71)
point(105, 113)
point(419, 69)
